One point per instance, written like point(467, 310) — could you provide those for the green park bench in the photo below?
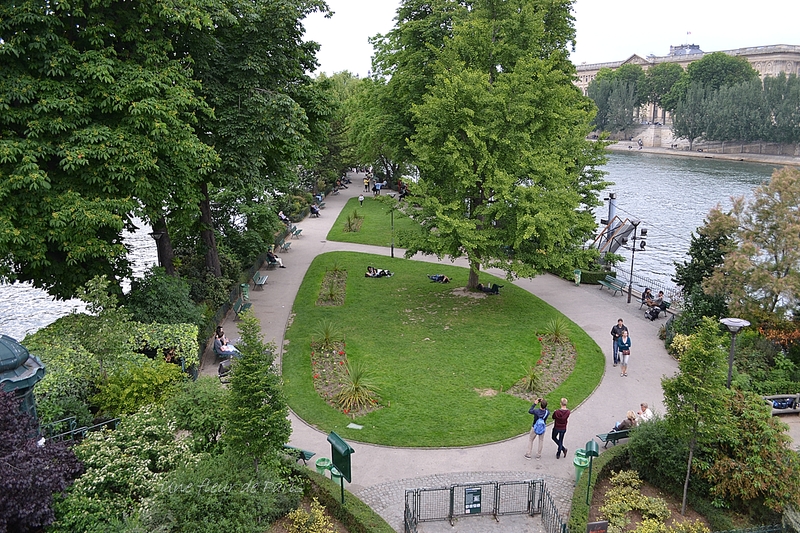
point(259, 280)
point(240, 307)
point(613, 284)
point(298, 454)
point(613, 436)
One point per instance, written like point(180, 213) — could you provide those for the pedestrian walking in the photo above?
point(624, 344)
point(361, 199)
point(366, 183)
point(560, 417)
point(616, 333)
point(539, 426)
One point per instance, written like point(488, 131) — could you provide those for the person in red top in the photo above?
point(560, 417)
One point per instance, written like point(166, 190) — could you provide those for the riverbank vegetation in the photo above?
point(717, 98)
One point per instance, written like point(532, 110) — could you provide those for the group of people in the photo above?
point(655, 306)
point(373, 272)
point(561, 416)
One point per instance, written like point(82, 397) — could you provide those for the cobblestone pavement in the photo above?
point(388, 499)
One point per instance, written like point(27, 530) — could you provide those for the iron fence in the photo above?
point(672, 293)
point(485, 498)
point(774, 528)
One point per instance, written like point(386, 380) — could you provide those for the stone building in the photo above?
point(767, 60)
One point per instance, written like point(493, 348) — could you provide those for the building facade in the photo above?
point(767, 60)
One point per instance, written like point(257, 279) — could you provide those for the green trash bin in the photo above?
point(581, 462)
point(577, 273)
point(245, 289)
point(323, 464)
point(336, 476)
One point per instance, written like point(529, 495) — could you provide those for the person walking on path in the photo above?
point(539, 426)
point(616, 333)
point(361, 199)
point(366, 183)
point(560, 417)
point(624, 345)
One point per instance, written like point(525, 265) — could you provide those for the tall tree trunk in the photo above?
point(207, 234)
point(474, 273)
point(688, 473)
point(164, 246)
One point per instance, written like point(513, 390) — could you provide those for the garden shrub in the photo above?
point(137, 384)
point(199, 408)
point(159, 297)
point(315, 521)
point(614, 459)
point(222, 494)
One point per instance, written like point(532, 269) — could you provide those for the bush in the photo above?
point(222, 494)
point(161, 298)
point(199, 407)
point(614, 459)
point(136, 385)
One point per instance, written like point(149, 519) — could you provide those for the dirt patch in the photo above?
point(486, 392)
point(465, 292)
point(635, 518)
point(556, 363)
point(332, 290)
point(329, 374)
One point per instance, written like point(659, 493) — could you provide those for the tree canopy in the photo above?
point(498, 136)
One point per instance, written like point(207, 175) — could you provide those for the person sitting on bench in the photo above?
point(314, 210)
point(439, 278)
point(655, 302)
point(494, 289)
point(628, 423)
point(646, 295)
point(222, 345)
point(272, 258)
point(284, 218)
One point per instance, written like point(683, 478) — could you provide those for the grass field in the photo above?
point(431, 349)
point(376, 228)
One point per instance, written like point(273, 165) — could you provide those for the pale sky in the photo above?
point(610, 30)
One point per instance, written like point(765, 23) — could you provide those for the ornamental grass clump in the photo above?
point(327, 335)
point(557, 329)
point(357, 392)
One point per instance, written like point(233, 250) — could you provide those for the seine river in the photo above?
point(670, 195)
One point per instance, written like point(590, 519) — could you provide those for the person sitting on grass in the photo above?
point(439, 278)
point(494, 289)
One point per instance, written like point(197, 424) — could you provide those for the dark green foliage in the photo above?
point(698, 304)
point(199, 407)
point(204, 287)
point(135, 385)
point(256, 409)
point(222, 494)
point(161, 298)
point(30, 474)
point(659, 456)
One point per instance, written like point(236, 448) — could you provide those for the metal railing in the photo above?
point(485, 498)
point(672, 293)
point(79, 433)
point(774, 528)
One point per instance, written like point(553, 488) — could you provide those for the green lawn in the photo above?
point(376, 228)
point(429, 351)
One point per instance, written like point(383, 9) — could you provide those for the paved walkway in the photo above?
point(381, 474)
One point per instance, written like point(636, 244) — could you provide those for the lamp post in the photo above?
point(156, 235)
point(635, 223)
point(391, 211)
point(734, 325)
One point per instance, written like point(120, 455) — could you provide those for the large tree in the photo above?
point(97, 123)
point(506, 175)
point(658, 81)
point(761, 276)
point(689, 120)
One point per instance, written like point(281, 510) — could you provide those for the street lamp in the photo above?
point(391, 210)
point(635, 223)
point(734, 325)
point(156, 235)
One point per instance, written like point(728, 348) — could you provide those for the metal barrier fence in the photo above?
point(672, 293)
point(484, 498)
point(774, 528)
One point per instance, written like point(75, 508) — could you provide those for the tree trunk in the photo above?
point(164, 246)
point(207, 234)
point(688, 473)
point(474, 273)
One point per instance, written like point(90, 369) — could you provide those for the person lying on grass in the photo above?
point(439, 278)
point(373, 272)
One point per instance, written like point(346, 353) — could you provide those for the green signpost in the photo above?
point(340, 453)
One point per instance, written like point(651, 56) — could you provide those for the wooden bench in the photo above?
point(792, 400)
point(240, 307)
point(612, 284)
point(613, 436)
point(299, 454)
point(259, 280)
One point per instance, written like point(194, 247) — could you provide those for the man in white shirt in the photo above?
point(644, 414)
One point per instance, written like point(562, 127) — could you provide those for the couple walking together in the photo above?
point(540, 415)
point(622, 346)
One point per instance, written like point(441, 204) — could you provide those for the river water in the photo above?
point(670, 195)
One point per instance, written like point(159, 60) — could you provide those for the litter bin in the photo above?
point(581, 462)
point(245, 288)
point(323, 464)
point(577, 274)
point(336, 476)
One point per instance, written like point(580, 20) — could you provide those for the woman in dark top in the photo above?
point(560, 417)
